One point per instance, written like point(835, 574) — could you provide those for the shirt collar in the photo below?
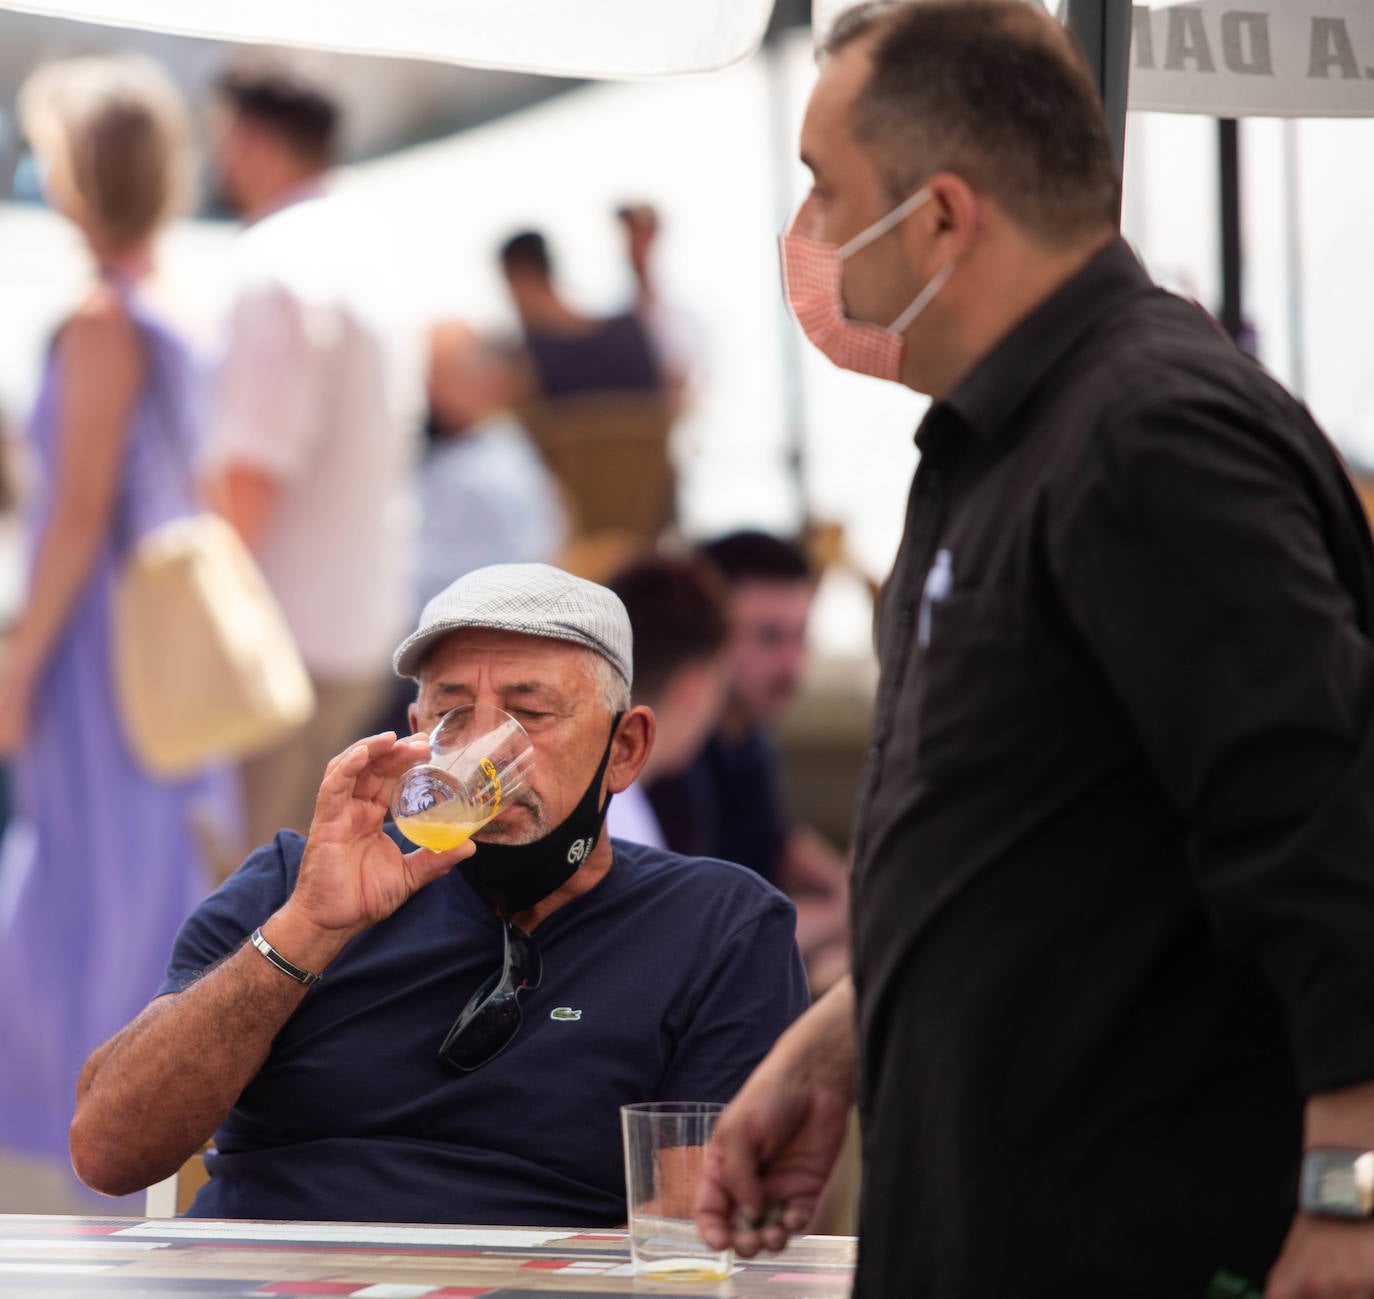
point(989, 394)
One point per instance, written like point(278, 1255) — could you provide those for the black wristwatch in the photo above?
point(1337, 1183)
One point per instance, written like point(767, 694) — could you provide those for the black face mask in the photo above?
point(512, 877)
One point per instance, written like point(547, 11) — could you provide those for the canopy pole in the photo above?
point(1103, 29)
point(1232, 313)
point(1292, 189)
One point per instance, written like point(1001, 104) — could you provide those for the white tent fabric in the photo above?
point(577, 38)
point(1267, 58)
point(1262, 58)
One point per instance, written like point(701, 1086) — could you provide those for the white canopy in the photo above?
point(575, 38)
point(1268, 58)
point(1241, 58)
point(1262, 58)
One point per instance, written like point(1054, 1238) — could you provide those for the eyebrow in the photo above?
point(531, 688)
point(448, 688)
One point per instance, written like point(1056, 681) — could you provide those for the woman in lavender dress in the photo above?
point(101, 862)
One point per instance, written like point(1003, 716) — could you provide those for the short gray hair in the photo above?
point(611, 688)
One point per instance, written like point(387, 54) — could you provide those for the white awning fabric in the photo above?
point(575, 38)
point(1232, 58)
point(1259, 58)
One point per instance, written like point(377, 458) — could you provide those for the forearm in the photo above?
point(811, 865)
point(246, 497)
point(820, 922)
point(150, 1097)
point(1341, 1118)
point(823, 1044)
point(66, 555)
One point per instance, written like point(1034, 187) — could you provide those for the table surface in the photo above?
point(186, 1258)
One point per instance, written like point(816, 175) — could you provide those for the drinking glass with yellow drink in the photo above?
point(480, 757)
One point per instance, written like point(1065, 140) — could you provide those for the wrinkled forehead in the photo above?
point(471, 659)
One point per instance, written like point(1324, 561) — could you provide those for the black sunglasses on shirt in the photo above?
point(492, 1017)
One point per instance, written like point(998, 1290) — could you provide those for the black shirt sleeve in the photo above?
point(1193, 554)
point(224, 920)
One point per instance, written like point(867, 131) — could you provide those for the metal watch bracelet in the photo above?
point(285, 966)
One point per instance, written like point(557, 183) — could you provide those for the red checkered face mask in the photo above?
point(812, 276)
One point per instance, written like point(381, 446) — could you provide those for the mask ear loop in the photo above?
point(918, 303)
point(881, 226)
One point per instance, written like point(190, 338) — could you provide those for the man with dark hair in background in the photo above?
point(730, 802)
point(313, 428)
point(677, 611)
point(1110, 1027)
point(569, 351)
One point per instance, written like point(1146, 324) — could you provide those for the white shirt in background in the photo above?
point(486, 497)
point(632, 817)
point(321, 387)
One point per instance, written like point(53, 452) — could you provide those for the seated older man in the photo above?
point(307, 1000)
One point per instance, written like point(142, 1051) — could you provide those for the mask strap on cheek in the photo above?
point(920, 301)
point(881, 226)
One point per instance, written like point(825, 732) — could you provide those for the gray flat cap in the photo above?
point(532, 599)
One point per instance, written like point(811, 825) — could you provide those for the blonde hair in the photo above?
point(114, 138)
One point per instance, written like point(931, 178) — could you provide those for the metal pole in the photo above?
point(1103, 29)
point(1232, 313)
point(1292, 179)
point(781, 128)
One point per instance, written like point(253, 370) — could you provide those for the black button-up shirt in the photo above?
point(1114, 884)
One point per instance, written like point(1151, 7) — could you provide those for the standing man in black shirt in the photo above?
point(1111, 1025)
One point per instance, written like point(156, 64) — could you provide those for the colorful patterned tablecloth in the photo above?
point(185, 1258)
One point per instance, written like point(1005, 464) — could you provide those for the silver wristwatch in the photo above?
point(1337, 1183)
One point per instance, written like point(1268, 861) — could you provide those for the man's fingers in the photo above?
point(400, 755)
point(729, 1204)
point(339, 778)
point(387, 765)
point(735, 1164)
point(713, 1209)
point(774, 1237)
point(385, 758)
point(426, 866)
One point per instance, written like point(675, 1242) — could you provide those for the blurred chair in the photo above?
point(173, 1195)
point(609, 452)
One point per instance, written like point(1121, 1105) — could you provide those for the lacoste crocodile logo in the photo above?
point(565, 1012)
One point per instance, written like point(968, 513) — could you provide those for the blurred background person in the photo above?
point(730, 803)
point(673, 330)
point(485, 495)
point(678, 616)
point(570, 352)
point(314, 426)
point(101, 863)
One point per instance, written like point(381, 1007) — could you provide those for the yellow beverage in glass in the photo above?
point(684, 1269)
point(444, 826)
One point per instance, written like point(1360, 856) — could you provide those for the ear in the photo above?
point(945, 227)
point(413, 717)
point(634, 740)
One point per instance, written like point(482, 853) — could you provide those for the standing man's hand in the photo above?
point(1330, 1258)
point(352, 874)
point(778, 1140)
point(1324, 1259)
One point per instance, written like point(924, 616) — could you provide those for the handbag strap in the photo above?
point(166, 417)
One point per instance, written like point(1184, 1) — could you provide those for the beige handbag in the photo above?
point(205, 665)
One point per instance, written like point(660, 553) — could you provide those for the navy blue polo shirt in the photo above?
point(669, 980)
